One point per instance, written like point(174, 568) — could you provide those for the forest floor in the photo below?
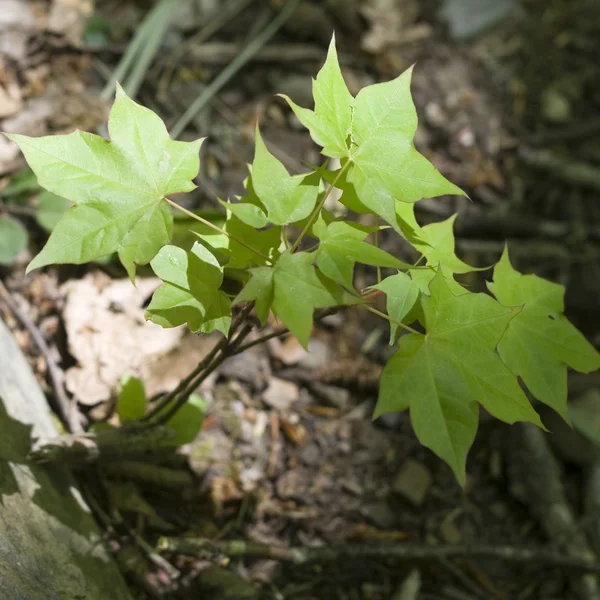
point(289, 455)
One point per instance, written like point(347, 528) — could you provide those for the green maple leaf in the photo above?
point(260, 290)
point(342, 245)
point(287, 198)
point(190, 293)
point(292, 289)
point(249, 209)
point(298, 288)
point(443, 375)
point(329, 123)
point(436, 242)
point(402, 293)
point(540, 342)
point(117, 186)
point(375, 136)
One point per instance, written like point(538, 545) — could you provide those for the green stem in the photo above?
point(388, 318)
point(377, 245)
point(189, 213)
point(315, 213)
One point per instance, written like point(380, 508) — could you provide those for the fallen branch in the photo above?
point(536, 480)
point(120, 443)
point(204, 548)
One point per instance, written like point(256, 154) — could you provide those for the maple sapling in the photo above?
point(458, 349)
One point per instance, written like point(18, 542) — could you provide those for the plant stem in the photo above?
point(234, 66)
point(388, 318)
point(377, 245)
point(189, 213)
point(315, 213)
point(204, 366)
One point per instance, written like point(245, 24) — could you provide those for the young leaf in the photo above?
point(187, 421)
point(248, 213)
point(131, 403)
point(191, 292)
point(443, 375)
point(423, 278)
point(436, 242)
point(384, 166)
point(117, 187)
point(259, 289)
point(329, 124)
point(265, 242)
point(298, 288)
point(540, 342)
point(342, 246)
point(51, 209)
point(286, 198)
point(13, 239)
point(402, 292)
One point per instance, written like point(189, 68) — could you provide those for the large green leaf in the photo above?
point(287, 198)
point(13, 239)
point(443, 375)
point(117, 186)
point(190, 293)
point(329, 124)
point(342, 245)
point(540, 342)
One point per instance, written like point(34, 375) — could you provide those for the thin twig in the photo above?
point(299, 556)
point(315, 213)
point(388, 318)
point(189, 213)
point(200, 368)
point(234, 66)
point(66, 408)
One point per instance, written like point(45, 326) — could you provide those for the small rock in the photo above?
point(468, 18)
point(319, 354)
point(332, 395)
point(413, 482)
point(379, 514)
point(311, 455)
point(281, 394)
point(352, 487)
point(292, 484)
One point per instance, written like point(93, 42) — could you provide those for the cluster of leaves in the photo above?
point(14, 200)
point(474, 347)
